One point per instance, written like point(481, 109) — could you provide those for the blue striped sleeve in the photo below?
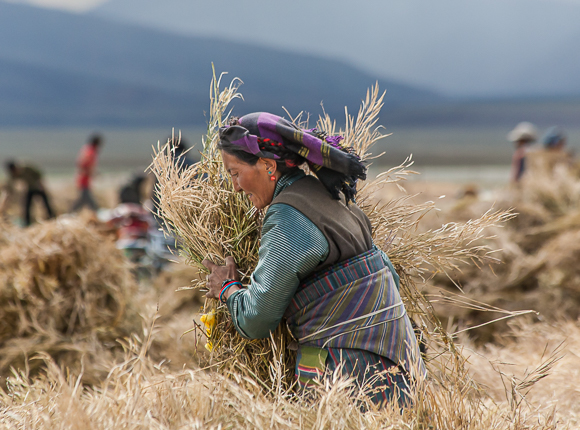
point(291, 248)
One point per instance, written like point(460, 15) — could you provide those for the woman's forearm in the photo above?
point(285, 258)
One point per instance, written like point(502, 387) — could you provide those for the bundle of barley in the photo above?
point(212, 221)
point(65, 290)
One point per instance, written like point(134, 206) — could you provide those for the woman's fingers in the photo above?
point(230, 261)
point(210, 265)
point(220, 273)
point(232, 269)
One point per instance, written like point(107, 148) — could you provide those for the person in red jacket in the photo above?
point(86, 164)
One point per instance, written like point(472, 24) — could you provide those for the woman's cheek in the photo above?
point(236, 183)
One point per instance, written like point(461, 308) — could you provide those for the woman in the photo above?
point(318, 267)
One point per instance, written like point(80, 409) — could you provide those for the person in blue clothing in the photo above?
point(555, 139)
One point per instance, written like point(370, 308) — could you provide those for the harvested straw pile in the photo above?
point(212, 221)
point(545, 194)
point(540, 249)
point(65, 292)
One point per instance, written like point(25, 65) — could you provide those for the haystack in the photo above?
point(66, 291)
point(211, 220)
point(539, 250)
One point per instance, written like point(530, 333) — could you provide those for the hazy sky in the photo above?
point(458, 47)
point(84, 5)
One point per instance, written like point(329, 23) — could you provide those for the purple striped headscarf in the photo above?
point(336, 168)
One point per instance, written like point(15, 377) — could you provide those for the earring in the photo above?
point(269, 173)
point(272, 178)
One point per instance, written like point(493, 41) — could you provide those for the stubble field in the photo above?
point(126, 362)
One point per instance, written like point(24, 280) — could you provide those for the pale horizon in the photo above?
point(78, 6)
point(81, 6)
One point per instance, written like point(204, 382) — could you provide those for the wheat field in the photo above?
point(491, 282)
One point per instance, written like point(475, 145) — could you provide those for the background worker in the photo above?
point(523, 135)
point(551, 156)
point(86, 164)
point(132, 192)
point(556, 156)
point(182, 160)
point(555, 139)
point(32, 178)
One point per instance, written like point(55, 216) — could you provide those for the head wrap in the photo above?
point(336, 167)
point(553, 136)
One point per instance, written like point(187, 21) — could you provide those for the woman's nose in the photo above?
point(237, 187)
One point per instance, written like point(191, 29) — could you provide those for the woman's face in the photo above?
point(254, 181)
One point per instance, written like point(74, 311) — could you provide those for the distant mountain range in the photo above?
point(64, 69)
point(463, 48)
point(59, 68)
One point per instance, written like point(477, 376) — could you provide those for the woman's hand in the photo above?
point(218, 274)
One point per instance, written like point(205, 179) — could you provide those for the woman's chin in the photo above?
point(256, 204)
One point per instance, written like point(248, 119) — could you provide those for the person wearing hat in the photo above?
point(551, 156)
point(555, 139)
point(524, 134)
point(555, 156)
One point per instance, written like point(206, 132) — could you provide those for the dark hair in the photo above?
point(287, 162)
point(10, 165)
point(95, 139)
point(178, 143)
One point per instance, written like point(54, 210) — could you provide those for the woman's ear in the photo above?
point(270, 165)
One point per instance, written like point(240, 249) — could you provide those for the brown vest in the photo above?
point(346, 228)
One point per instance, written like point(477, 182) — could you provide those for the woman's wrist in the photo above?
point(231, 291)
point(229, 286)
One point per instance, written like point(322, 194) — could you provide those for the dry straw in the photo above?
point(540, 251)
point(141, 394)
point(65, 292)
point(60, 268)
point(211, 220)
